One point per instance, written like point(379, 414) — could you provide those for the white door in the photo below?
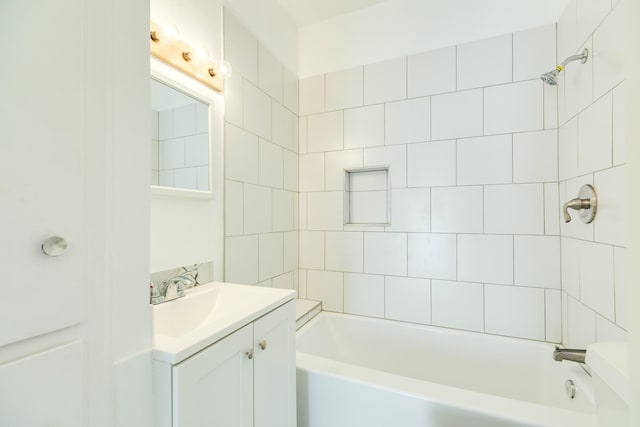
point(41, 165)
point(42, 75)
point(214, 388)
point(275, 369)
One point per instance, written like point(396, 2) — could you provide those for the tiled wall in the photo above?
point(469, 133)
point(180, 147)
point(261, 164)
point(592, 151)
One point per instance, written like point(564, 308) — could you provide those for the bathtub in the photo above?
point(355, 371)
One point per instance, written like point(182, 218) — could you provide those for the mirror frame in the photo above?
point(183, 83)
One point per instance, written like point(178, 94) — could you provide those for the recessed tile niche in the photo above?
point(366, 196)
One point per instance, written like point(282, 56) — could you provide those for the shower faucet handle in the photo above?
point(586, 203)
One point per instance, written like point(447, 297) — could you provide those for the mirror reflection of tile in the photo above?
point(179, 141)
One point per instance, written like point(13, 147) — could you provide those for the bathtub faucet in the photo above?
point(575, 355)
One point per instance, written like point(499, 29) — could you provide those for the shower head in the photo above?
point(551, 78)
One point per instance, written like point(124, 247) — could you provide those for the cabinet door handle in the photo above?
point(249, 354)
point(54, 246)
point(263, 344)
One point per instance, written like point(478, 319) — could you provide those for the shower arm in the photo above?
point(579, 57)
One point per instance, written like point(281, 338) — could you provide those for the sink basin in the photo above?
point(208, 313)
point(181, 316)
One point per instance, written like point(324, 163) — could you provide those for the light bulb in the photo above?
point(223, 69)
point(167, 34)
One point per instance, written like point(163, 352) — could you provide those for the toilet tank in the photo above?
point(608, 362)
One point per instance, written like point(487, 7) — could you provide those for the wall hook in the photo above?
point(586, 204)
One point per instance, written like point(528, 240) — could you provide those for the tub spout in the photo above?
point(575, 355)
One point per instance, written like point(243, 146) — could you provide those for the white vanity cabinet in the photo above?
point(246, 379)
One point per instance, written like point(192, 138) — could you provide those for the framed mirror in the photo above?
point(185, 131)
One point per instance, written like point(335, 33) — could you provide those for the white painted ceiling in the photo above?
point(305, 12)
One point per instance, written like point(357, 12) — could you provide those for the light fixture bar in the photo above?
point(178, 56)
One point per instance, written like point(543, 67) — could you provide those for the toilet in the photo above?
point(608, 362)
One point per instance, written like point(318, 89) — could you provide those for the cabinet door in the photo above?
point(274, 369)
point(41, 166)
point(214, 388)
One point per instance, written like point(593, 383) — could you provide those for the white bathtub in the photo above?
point(355, 372)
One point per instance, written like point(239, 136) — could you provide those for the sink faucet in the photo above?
point(171, 289)
point(575, 355)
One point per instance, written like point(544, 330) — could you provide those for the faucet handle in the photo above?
point(586, 203)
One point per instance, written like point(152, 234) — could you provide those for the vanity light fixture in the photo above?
point(167, 47)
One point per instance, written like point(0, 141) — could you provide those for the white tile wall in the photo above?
point(283, 210)
point(270, 164)
point(410, 209)
point(595, 136)
point(257, 111)
point(385, 253)
point(621, 286)
point(535, 156)
point(431, 164)
point(485, 160)
point(553, 313)
point(324, 210)
point(270, 255)
point(344, 89)
point(432, 72)
point(345, 251)
point(537, 261)
point(328, 287)
point(234, 208)
point(457, 305)
point(325, 132)
point(592, 147)
point(241, 155)
point(407, 299)
point(257, 209)
point(619, 121)
point(485, 258)
point(395, 157)
point(485, 62)
point(364, 294)
point(478, 173)
point(407, 121)
point(515, 311)
point(534, 52)
point(311, 171)
point(456, 115)
point(551, 209)
point(290, 90)
point(609, 54)
point(432, 255)
point(241, 259)
point(516, 107)
point(282, 126)
point(385, 81)
point(364, 127)
point(335, 163)
point(611, 225)
point(269, 74)
point(312, 95)
point(514, 209)
point(457, 209)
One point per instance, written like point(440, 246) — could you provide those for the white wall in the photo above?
point(403, 27)
point(470, 135)
point(592, 150)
